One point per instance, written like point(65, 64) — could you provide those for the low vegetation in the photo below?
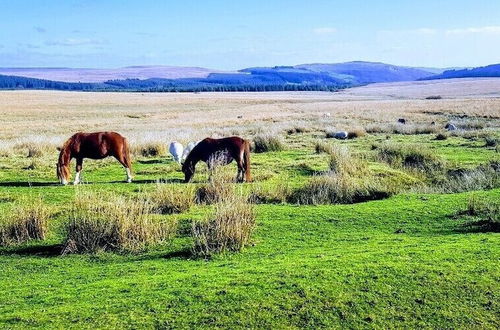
point(168, 198)
point(268, 142)
point(228, 228)
point(149, 149)
point(27, 220)
point(485, 212)
point(412, 156)
point(113, 224)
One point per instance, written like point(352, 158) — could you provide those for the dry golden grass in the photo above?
point(50, 117)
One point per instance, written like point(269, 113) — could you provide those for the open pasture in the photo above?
point(380, 230)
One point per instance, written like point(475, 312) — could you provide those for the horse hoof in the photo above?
point(75, 183)
point(129, 180)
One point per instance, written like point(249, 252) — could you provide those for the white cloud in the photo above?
point(74, 42)
point(324, 30)
point(474, 30)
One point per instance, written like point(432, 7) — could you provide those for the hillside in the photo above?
point(368, 72)
point(484, 71)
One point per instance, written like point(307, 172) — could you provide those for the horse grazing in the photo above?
point(188, 149)
point(220, 151)
point(94, 146)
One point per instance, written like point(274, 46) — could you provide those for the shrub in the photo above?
point(228, 229)
point(337, 188)
point(278, 192)
point(434, 97)
point(150, 149)
point(297, 130)
point(412, 156)
point(28, 221)
point(343, 162)
point(268, 142)
point(441, 136)
point(114, 224)
point(166, 199)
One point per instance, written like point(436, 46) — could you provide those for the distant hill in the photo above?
point(303, 77)
point(484, 71)
point(369, 72)
point(102, 75)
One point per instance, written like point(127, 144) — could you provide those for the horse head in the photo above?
point(63, 173)
point(188, 170)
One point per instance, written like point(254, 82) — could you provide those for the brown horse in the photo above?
point(94, 146)
point(220, 151)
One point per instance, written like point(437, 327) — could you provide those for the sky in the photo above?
point(231, 35)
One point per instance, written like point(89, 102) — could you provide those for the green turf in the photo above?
point(404, 262)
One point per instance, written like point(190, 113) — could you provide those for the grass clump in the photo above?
point(491, 141)
point(322, 147)
point(150, 149)
point(29, 220)
point(166, 199)
point(342, 161)
point(412, 156)
point(487, 213)
point(483, 177)
point(332, 188)
point(356, 133)
point(228, 229)
point(441, 137)
point(114, 224)
point(268, 142)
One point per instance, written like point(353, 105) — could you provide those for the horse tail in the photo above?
point(246, 155)
point(126, 153)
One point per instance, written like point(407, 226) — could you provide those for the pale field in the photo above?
point(53, 116)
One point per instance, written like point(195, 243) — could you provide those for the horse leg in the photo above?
point(241, 170)
point(125, 161)
point(79, 166)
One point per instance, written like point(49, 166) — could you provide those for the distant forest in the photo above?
point(240, 82)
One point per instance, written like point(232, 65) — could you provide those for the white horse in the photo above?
point(188, 149)
point(176, 150)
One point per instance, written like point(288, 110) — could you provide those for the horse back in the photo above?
point(97, 145)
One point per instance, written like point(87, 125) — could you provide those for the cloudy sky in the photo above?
point(236, 34)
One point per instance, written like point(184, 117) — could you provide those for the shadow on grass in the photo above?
point(56, 184)
point(28, 184)
point(46, 251)
point(152, 161)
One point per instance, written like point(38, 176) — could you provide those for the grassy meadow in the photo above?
point(396, 227)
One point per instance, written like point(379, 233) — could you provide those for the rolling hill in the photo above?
point(492, 70)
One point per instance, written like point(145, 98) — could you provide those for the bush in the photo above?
point(114, 224)
point(483, 177)
point(278, 192)
point(228, 229)
point(166, 199)
point(411, 156)
point(268, 142)
point(337, 188)
point(150, 149)
point(28, 221)
point(434, 97)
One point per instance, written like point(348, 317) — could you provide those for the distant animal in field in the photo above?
point(220, 152)
point(402, 121)
point(450, 127)
point(97, 145)
point(176, 149)
point(342, 135)
point(326, 115)
point(239, 117)
point(433, 123)
point(188, 149)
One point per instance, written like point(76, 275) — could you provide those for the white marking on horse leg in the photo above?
point(64, 182)
point(129, 175)
point(77, 178)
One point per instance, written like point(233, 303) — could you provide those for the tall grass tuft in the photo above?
point(342, 161)
point(487, 213)
point(114, 223)
point(149, 149)
point(170, 198)
point(29, 220)
point(413, 156)
point(228, 229)
point(268, 142)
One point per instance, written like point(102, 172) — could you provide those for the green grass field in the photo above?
point(407, 261)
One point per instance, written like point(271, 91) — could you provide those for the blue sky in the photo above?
point(236, 34)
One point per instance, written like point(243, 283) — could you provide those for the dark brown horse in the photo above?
point(220, 151)
point(95, 146)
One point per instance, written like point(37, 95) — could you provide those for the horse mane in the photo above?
point(65, 149)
